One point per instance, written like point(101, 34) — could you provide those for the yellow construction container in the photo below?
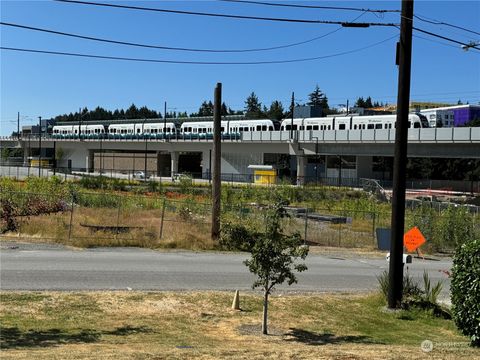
point(264, 174)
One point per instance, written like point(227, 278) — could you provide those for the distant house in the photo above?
point(307, 111)
point(440, 117)
point(461, 114)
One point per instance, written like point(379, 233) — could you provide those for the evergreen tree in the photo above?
point(206, 109)
point(360, 102)
point(132, 112)
point(318, 98)
point(276, 111)
point(253, 107)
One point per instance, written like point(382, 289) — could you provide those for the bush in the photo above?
point(237, 237)
point(410, 286)
point(465, 289)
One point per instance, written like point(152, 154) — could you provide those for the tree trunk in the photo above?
point(265, 313)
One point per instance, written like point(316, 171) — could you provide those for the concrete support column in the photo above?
point(90, 161)
point(365, 167)
point(174, 161)
point(26, 154)
point(301, 164)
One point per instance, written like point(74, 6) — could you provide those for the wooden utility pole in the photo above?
point(217, 155)
point(291, 123)
point(18, 125)
point(400, 161)
point(39, 146)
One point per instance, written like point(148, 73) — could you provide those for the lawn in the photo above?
point(184, 325)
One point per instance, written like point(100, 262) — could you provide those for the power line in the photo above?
point(446, 38)
point(310, 6)
point(437, 22)
point(118, 42)
point(196, 62)
point(229, 16)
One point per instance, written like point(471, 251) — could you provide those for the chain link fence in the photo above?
point(88, 219)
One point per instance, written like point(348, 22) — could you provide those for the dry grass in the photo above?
point(144, 226)
point(166, 325)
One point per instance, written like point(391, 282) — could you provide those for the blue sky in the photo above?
point(46, 85)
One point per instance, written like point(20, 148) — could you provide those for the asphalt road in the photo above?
point(34, 267)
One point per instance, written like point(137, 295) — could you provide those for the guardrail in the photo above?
point(429, 135)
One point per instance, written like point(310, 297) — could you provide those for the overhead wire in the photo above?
point(229, 16)
point(446, 38)
point(265, 62)
point(310, 6)
point(118, 42)
point(437, 22)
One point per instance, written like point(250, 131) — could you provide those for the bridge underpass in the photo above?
point(306, 152)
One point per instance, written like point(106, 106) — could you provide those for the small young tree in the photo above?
point(273, 256)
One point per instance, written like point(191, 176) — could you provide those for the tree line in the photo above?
point(253, 109)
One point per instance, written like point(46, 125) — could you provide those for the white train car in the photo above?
point(227, 127)
point(302, 124)
point(121, 129)
point(415, 121)
point(60, 131)
point(155, 128)
point(237, 126)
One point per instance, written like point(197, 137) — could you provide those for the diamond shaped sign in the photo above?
point(413, 239)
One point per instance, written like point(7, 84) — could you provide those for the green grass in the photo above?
point(179, 325)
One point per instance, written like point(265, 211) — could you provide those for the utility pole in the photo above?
point(217, 156)
point(165, 121)
point(291, 124)
point(39, 146)
point(18, 125)
point(404, 57)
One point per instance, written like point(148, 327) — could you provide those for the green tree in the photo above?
point(276, 111)
point(273, 257)
point(253, 107)
point(206, 109)
point(318, 98)
point(132, 112)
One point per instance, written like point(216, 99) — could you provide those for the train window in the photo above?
point(270, 128)
point(287, 127)
point(222, 129)
point(295, 127)
point(309, 127)
point(264, 127)
point(416, 125)
point(315, 127)
point(259, 127)
point(76, 131)
point(378, 126)
point(341, 127)
point(370, 126)
point(329, 127)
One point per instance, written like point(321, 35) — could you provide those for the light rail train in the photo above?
point(231, 128)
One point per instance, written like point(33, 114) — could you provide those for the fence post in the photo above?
point(118, 216)
point(71, 218)
point(339, 234)
point(306, 226)
point(163, 216)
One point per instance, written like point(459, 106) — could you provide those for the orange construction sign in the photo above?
point(413, 239)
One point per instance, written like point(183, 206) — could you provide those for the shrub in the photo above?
point(410, 286)
point(455, 226)
point(237, 237)
point(465, 289)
